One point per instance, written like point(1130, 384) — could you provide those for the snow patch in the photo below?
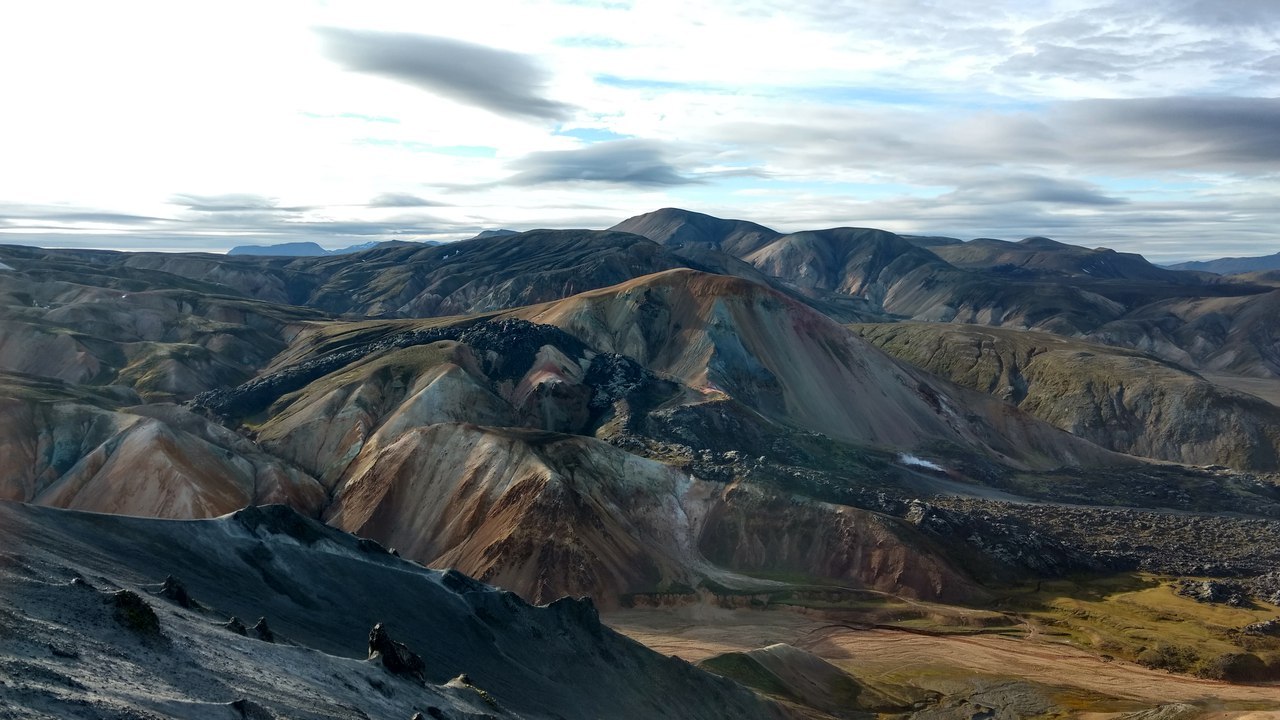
point(4, 267)
point(914, 461)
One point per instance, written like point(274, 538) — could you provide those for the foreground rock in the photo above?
point(321, 590)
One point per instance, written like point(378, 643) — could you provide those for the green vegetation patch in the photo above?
point(1140, 618)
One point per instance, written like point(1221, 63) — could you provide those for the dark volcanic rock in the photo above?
point(507, 348)
point(1266, 627)
point(396, 657)
point(1012, 546)
point(134, 613)
point(235, 626)
point(175, 591)
point(263, 631)
point(279, 520)
point(1214, 591)
point(250, 710)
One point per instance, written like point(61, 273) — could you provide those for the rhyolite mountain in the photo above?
point(402, 423)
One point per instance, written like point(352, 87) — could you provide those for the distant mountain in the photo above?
point(501, 232)
point(293, 249)
point(928, 241)
point(675, 228)
point(310, 249)
point(1042, 256)
point(1232, 265)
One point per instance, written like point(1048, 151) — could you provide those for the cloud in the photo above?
point(1228, 13)
point(635, 162)
point(499, 81)
point(1005, 190)
point(231, 203)
point(1232, 134)
point(401, 200)
point(1061, 60)
point(1191, 134)
point(86, 216)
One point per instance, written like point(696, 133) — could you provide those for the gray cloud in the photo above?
point(500, 81)
point(1229, 13)
point(1218, 134)
point(1062, 60)
point(1193, 133)
point(231, 203)
point(1004, 190)
point(401, 200)
point(636, 162)
point(105, 218)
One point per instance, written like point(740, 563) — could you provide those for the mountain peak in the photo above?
point(676, 227)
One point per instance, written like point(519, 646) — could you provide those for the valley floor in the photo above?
point(1073, 679)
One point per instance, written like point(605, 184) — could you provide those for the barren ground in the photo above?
point(941, 663)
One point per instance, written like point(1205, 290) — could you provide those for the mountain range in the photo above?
point(1232, 265)
point(678, 417)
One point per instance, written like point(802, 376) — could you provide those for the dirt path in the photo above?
point(697, 633)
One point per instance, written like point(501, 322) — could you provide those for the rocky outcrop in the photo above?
point(396, 657)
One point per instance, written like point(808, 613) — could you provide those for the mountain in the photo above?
point(93, 628)
point(723, 336)
point(72, 447)
point(892, 275)
point(462, 441)
point(90, 317)
point(1043, 256)
point(1033, 284)
point(485, 274)
point(1116, 398)
point(681, 428)
point(376, 422)
point(500, 232)
point(292, 249)
point(311, 249)
point(1236, 335)
point(678, 228)
point(1232, 265)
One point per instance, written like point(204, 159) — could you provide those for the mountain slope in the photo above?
point(92, 318)
point(1119, 399)
point(61, 447)
point(1220, 334)
point(320, 591)
point(1044, 256)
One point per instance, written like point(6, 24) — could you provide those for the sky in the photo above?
point(1150, 127)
